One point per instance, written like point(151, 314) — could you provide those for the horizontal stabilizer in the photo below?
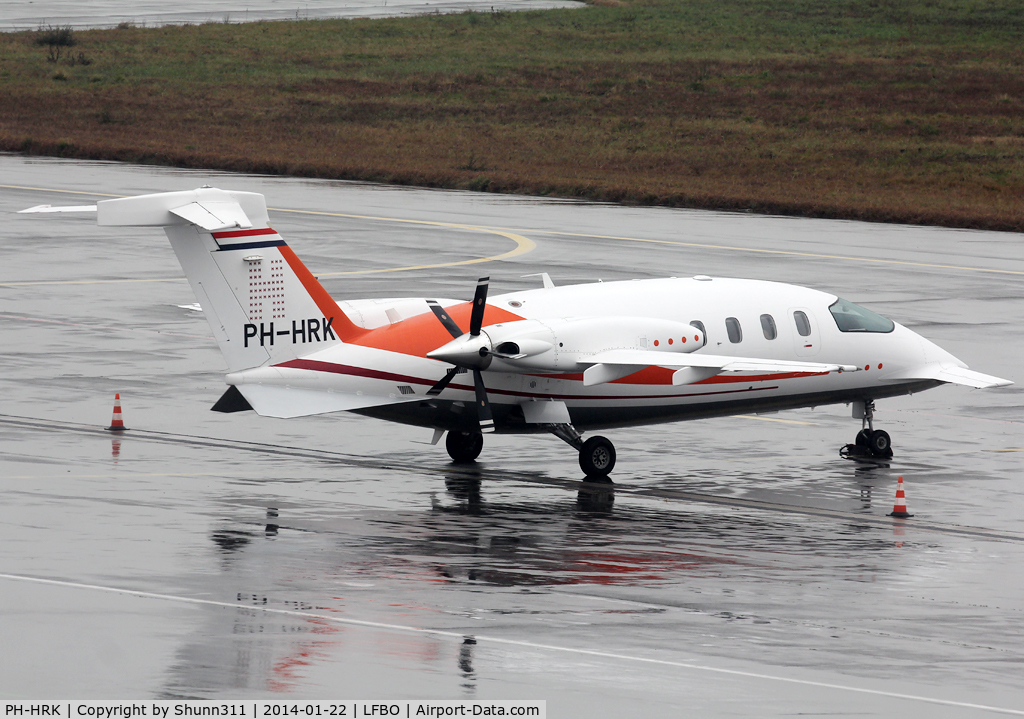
point(710, 364)
point(951, 373)
point(207, 207)
point(51, 208)
point(211, 209)
point(277, 401)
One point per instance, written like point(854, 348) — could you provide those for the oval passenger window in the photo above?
point(732, 326)
point(803, 324)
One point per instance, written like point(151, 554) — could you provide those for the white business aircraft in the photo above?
point(553, 359)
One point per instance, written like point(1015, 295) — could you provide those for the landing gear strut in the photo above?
point(869, 441)
point(597, 454)
point(464, 446)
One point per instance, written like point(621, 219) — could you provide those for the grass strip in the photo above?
point(886, 110)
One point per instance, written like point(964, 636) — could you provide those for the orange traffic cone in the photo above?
point(117, 424)
point(899, 510)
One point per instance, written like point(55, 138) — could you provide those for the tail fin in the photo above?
point(263, 305)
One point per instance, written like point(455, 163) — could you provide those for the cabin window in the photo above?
point(803, 324)
point(854, 318)
point(732, 326)
point(768, 327)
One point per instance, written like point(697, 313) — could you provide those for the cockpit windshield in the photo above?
point(854, 318)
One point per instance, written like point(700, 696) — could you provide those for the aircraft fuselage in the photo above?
point(764, 320)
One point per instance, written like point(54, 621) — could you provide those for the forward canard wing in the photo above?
point(693, 367)
point(950, 373)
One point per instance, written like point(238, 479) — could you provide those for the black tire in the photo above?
point(863, 438)
point(880, 444)
point(464, 446)
point(597, 457)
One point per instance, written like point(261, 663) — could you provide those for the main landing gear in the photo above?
point(597, 454)
point(870, 441)
point(464, 446)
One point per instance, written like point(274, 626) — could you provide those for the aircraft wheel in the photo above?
point(597, 457)
point(863, 438)
point(464, 446)
point(880, 444)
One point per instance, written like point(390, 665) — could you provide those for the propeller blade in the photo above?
point(448, 322)
point(483, 407)
point(439, 387)
point(476, 320)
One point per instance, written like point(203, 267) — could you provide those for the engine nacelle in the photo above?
point(558, 345)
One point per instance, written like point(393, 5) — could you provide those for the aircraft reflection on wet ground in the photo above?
point(471, 534)
point(596, 494)
point(487, 549)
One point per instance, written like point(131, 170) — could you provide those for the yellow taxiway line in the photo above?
point(790, 253)
point(774, 419)
point(524, 245)
point(88, 282)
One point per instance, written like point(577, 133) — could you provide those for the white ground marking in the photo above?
point(512, 642)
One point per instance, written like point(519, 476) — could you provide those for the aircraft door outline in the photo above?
point(803, 324)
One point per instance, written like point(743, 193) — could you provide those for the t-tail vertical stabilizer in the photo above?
point(263, 305)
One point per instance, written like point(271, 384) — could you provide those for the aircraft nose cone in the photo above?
point(464, 352)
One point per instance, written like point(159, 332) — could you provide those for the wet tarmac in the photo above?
point(31, 14)
point(737, 567)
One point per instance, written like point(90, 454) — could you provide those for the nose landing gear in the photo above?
point(870, 442)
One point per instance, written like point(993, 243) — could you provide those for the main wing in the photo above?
point(694, 367)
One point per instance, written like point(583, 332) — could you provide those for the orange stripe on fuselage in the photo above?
point(414, 336)
point(424, 333)
point(648, 375)
point(343, 327)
